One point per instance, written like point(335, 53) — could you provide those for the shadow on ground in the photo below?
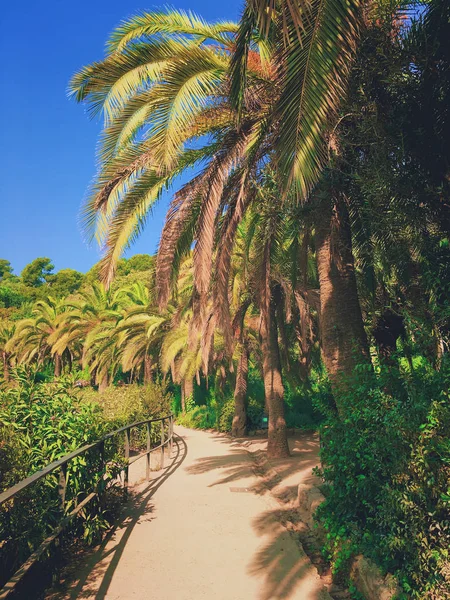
point(276, 562)
point(279, 562)
point(298, 467)
point(137, 510)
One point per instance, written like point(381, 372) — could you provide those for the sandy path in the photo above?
point(188, 536)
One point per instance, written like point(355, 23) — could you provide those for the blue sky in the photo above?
point(47, 143)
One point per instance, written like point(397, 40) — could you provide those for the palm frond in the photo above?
point(316, 66)
point(171, 22)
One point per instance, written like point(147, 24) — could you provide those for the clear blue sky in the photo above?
point(47, 143)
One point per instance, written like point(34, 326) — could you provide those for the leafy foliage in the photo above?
point(388, 469)
point(41, 423)
point(37, 272)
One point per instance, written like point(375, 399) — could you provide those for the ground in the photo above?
point(213, 525)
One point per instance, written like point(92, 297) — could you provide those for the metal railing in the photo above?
point(61, 465)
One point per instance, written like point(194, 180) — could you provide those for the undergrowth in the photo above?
point(387, 463)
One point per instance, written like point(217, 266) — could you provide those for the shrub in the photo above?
point(198, 417)
point(40, 423)
point(130, 403)
point(225, 420)
point(126, 404)
point(388, 466)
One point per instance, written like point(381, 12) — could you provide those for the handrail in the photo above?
point(18, 487)
point(61, 464)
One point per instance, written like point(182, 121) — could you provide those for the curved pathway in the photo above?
point(207, 527)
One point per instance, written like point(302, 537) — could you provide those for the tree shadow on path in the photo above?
point(280, 562)
point(243, 462)
point(91, 578)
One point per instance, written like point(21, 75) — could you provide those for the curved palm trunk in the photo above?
point(277, 446)
point(58, 365)
point(103, 383)
point(189, 388)
point(239, 426)
point(183, 399)
point(343, 339)
point(148, 369)
point(187, 391)
point(69, 360)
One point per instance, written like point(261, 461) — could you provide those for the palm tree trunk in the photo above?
point(187, 391)
point(69, 360)
point(239, 426)
point(188, 388)
point(147, 369)
point(277, 446)
point(343, 339)
point(183, 398)
point(103, 383)
point(58, 365)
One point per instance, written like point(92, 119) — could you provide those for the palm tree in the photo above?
point(188, 93)
point(88, 323)
point(268, 79)
point(32, 337)
point(316, 51)
point(140, 333)
point(269, 281)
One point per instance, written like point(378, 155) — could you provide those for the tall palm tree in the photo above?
point(281, 92)
point(315, 52)
point(268, 235)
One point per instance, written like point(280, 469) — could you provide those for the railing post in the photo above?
point(162, 443)
point(148, 450)
point(59, 470)
point(62, 486)
point(101, 483)
point(127, 456)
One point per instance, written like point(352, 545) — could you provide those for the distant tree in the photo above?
point(5, 268)
point(92, 276)
point(11, 297)
point(31, 339)
point(37, 272)
point(137, 263)
point(123, 267)
point(141, 262)
point(65, 282)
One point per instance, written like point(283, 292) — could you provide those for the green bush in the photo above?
point(225, 420)
point(220, 417)
point(255, 412)
point(388, 466)
point(40, 423)
point(199, 417)
point(127, 404)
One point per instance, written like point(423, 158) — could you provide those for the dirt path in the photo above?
point(207, 527)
